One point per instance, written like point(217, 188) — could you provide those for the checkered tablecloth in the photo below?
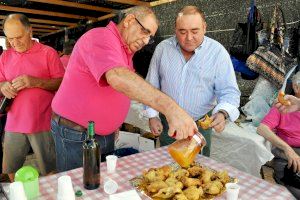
point(132, 166)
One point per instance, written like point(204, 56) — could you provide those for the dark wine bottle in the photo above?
point(91, 160)
point(5, 104)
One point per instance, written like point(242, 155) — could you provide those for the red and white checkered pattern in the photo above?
point(132, 166)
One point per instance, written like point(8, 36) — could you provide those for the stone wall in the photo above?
point(222, 17)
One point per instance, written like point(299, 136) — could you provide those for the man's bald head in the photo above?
point(18, 32)
point(190, 10)
point(141, 12)
point(17, 17)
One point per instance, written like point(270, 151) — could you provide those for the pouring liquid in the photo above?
point(185, 151)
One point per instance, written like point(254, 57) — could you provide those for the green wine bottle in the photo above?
point(91, 160)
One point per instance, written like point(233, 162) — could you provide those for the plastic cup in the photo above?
point(16, 191)
point(65, 189)
point(110, 186)
point(111, 162)
point(232, 191)
point(29, 176)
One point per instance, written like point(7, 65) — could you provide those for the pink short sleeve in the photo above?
point(272, 119)
point(108, 45)
point(2, 77)
point(55, 67)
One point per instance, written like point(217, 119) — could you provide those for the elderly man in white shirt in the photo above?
point(196, 71)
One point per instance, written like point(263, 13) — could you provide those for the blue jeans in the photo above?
point(68, 146)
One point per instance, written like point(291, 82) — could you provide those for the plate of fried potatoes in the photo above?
point(171, 182)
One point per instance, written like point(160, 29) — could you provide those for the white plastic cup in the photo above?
point(65, 189)
point(111, 162)
point(110, 186)
point(232, 191)
point(16, 191)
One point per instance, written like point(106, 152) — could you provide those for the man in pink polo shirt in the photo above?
point(30, 73)
point(283, 131)
point(99, 83)
point(68, 48)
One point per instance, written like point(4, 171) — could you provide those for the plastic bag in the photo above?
point(264, 89)
point(260, 101)
point(256, 109)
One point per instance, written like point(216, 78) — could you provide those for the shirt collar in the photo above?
point(201, 45)
point(34, 48)
point(114, 29)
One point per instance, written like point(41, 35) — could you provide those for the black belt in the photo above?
point(65, 122)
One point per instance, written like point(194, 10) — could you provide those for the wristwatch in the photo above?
point(224, 113)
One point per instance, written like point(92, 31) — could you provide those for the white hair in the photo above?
point(296, 78)
point(141, 12)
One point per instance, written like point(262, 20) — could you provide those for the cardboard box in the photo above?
point(146, 144)
point(127, 140)
point(134, 140)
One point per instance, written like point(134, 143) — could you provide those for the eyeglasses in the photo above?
point(147, 31)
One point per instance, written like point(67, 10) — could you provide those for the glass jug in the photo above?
point(185, 151)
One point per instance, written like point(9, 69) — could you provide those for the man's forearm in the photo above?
point(265, 131)
point(298, 103)
point(136, 88)
point(1, 84)
point(48, 84)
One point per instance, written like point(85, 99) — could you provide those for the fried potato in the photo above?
point(180, 197)
point(206, 176)
point(168, 192)
point(195, 170)
point(165, 170)
point(187, 182)
point(174, 182)
point(195, 182)
point(193, 193)
point(156, 186)
point(223, 176)
point(205, 123)
point(154, 175)
point(281, 99)
point(214, 187)
point(179, 174)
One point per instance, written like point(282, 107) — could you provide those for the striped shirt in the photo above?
point(206, 81)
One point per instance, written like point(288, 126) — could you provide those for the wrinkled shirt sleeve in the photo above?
point(153, 79)
point(2, 76)
point(226, 88)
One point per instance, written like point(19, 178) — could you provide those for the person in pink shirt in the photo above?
point(68, 47)
point(283, 131)
point(30, 73)
point(65, 59)
point(99, 83)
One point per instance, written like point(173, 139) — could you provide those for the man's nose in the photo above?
point(14, 42)
point(189, 36)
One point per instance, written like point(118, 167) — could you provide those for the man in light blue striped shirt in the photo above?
point(196, 71)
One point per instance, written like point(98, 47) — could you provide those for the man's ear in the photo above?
point(30, 32)
point(128, 20)
point(296, 88)
point(204, 27)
